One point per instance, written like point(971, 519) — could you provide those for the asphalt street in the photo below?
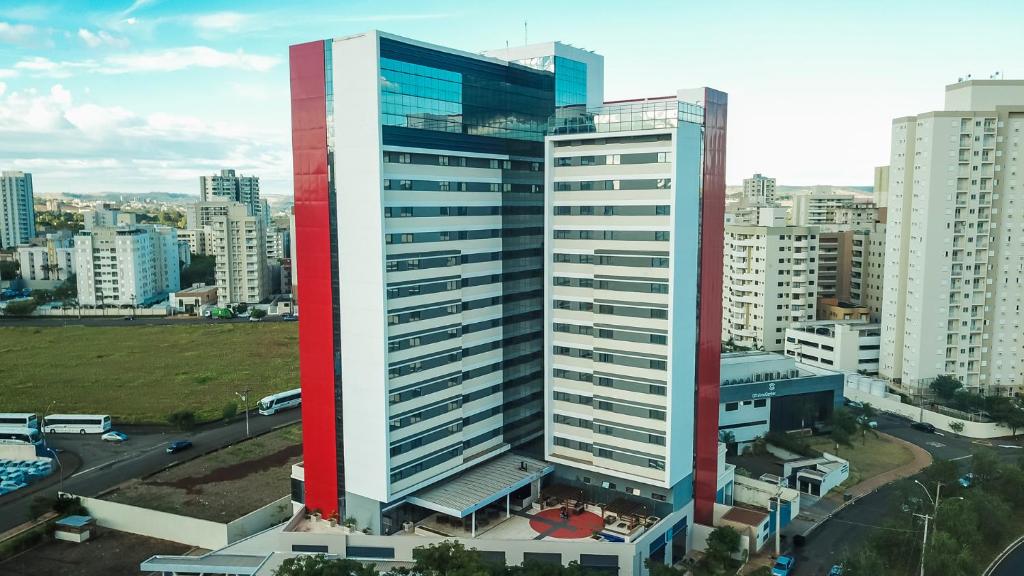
point(105, 465)
point(849, 527)
point(1012, 565)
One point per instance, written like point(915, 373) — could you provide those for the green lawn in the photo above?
point(140, 374)
point(869, 456)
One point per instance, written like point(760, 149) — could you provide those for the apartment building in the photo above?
point(953, 295)
point(126, 265)
point(770, 280)
point(235, 238)
point(856, 215)
point(758, 191)
point(197, 240)
point(881, 187)
point(55, 260)
point(862, 256)
point(231, 187)
point(17, 212)
point(845, 345)
point(102, 216)
point(818, 206)
point(200, 215)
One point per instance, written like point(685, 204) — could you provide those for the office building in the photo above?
point(624, 211)
point(758, 191)
point(127, 265)
point(818, 206)
point(236, 239)
point(844, 345)
point(953, 298)
point(227, 186)
point(769, 281)
point(17, 212)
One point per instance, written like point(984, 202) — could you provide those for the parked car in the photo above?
point(852, 403)
point(867, 422)
point(127, 318)
point(923, 427)
point(254, 319)
point(114, 436)
point(966, 480)
point(783, 566)
point(836, 570)
point(289, 317)
point(178, 445)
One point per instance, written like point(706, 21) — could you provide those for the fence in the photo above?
point(100, 312)
point(892, 404)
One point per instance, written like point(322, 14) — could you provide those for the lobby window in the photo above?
point(732, 406)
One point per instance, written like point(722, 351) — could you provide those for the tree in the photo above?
point(20, 308)
point(1014, 420)
point(229, 411)
point(183, 419)
point(844, 426)
point(258, 313)
point(868, 413)
point(985, 466)
point(762, 571)
point(321, 565)
point(68, 289)
point(944, 471)
point(864, 562)
point(945, 386)
point(41, 296)
point(9, 269)
point(241, 307)
point(199, 271)
point(947, 557)
point(726, 436)
point(723, 542)
point(956, 426)
point(447, 559)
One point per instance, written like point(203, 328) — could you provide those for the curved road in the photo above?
point(1012, 564)
point(105, 466)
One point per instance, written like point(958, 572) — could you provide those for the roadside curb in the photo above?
point(1002, 556)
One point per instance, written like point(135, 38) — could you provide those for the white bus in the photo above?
point(20, 435)
point(282, 401)
point(80, 423)
point(19, 420)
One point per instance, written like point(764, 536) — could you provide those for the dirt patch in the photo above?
point(109, 552)
point(195, 484)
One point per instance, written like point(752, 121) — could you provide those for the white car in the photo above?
point(114, 436)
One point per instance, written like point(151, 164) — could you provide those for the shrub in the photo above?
point(791, 443)
point(229, 411)
point(20, 308)
point(183, 419)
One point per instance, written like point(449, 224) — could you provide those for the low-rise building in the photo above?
point(835, 309)
point(53, 260)
point(846, 345)
point(194, 299)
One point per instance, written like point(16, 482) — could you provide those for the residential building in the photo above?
point(237, 241)
point(831, 308)
point(17, 212)
point(199, 215)
point(197, 240)
point(844, 345)
point(881, 188)
point(828, 259)
point(856, 215)
point(953, 298)
point(55, 260)
point(758, 191)
point(194, 299)
point(769, 281)
point(277, 243)
point(227, 186)
point(818, 206)
point(765, 391)
point(127, 265)
point(623, 251)
point(863, 254)
point(102, 216)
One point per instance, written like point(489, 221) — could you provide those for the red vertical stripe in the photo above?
point(315, 296)
point(709, 337)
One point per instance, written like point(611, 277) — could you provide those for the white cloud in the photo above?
point(28, 11)
point(19, 34)
point(8, 73)
point(169, 60)
point(100, 38)
point(220, 21)
point(135, 6)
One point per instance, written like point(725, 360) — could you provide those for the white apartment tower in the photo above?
point(126, 265)
point(17, 213)
point(237, 241)
point(231, 187)
point(818, 206)
point(769, 282)
point(953, 292)
point(758, 191)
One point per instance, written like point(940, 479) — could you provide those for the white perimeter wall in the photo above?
point(940, 421)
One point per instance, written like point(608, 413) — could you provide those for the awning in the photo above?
point(487, 482)
point(240, 564)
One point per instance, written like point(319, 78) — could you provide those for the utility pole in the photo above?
point(778, 519)
point(924, 538)
point(244, 395)
point(934, 516)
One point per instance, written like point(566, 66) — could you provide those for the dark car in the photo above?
point(178, 446)
point(923, 427)
point(289, 317)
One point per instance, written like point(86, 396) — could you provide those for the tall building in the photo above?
point(953, 297)
point(237, 241)
point(197, 240)
point(127, 265)
point(420, 220)
point(17, 212)
point(231, 187)
point(769, 282)
point(881, 188)
point(862, 259)
point(630, 291)
point(818, 206)
point(199, 215)
point(758, 191)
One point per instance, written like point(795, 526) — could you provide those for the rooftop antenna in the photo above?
point(525, 34)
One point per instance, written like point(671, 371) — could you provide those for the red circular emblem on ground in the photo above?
point(551, 524)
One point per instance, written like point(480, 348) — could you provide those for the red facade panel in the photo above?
point(315, 295)
point(709, 335)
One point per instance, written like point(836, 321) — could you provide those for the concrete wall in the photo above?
point(274, 513)
point(894, 406)
point(162, 525)
point(18, 452)
point(758, 493)
point(90, 312)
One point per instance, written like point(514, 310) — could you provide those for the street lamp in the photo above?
point(244, 395)
point(934, 516)
point(60, 489)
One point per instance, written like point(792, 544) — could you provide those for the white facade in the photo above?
point(770, 281)
point(197, 240)
point(758, 191)
point(953, 295)
point(227, 186)
point(848, 346)
point(127, 265)
point(867, 268)
point(200, 214)
point(17, 213)
point(43, 263)
point(100, 216)
point(237, 241)
point(622, 233)
point(817, 207)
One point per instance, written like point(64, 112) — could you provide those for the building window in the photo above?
point(732, 406)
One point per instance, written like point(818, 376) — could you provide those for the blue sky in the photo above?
point(144, 95)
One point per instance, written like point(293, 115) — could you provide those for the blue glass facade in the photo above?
point(570, 82)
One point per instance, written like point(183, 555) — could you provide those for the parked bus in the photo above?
point(283, 401)
point(19, 420)
point(80, 423)
point(20, 435)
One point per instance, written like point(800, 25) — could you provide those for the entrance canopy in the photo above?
point(487, 482)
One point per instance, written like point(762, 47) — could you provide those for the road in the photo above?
point(1012, 565)
point(852, 525)
point(120, 321)
point(105, 466)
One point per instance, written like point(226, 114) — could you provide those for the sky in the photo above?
point(147, 95)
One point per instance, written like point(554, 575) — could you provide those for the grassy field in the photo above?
point(869, 456)
point(209, 486)
point(140, 374)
